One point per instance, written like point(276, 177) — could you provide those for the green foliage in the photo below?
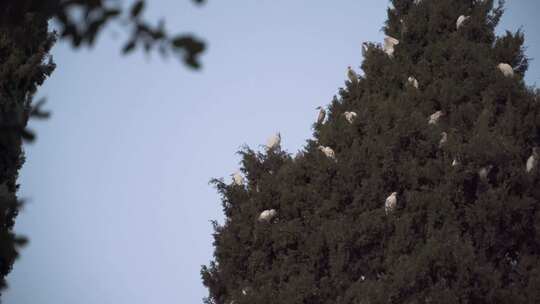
point(455, 236)
point(24, 65)
point(95, 15)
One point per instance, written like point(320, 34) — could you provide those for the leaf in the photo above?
point(37, 110)
point(129, 47)
point(137, 8)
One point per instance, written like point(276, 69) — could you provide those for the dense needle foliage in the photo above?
point(456, 236)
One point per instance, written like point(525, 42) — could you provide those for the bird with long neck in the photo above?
point(321, 116)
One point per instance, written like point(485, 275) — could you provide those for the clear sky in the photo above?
point(119, 203)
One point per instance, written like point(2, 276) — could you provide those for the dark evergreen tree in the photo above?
point(466, 224)
point(24, 65)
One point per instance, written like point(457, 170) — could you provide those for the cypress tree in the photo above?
point(438, 119)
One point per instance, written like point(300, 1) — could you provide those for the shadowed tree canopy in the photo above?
point(25, 63)
point(431, 194)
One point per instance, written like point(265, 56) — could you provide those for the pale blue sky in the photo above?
point(117, 182)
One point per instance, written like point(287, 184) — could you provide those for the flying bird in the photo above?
point(322, 115)
point(390, 203)
point(434, 118)
point(533, 160)
point(444, 139)
point(389, 43)
point(328, 152)
point(460, 21)
point(506, 69)
point(350, 116)
point(267, 215)
point(273, 141)
point(412, 81)
point(238, 179)
point(352, 75)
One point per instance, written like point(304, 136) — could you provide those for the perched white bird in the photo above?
point(412, 81)
point(389, 43)
point(484, 171)
point(455, 162)
point(362, 278)
point(238, 179)
point(417, 2)
point(322, 115)
point(434, 118)
point(460, 21)
point(365, 48)
point(350, 116)
point(352, 75)
point(273, 141)
point(267, 215)
point(444, 139)
point(506, 69)
point(390, 203)
point(533, 160)
point(328, 152)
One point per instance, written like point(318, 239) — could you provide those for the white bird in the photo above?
point(350, 116)
point(460, 21)
point(365, 48)
point(412, 81)
point(444, 139)
point(417, 2)
point(434, 118)
point(322, 115)
point(389, 43)
point(267, 215)
point(238, 179)
point(390, 203)
point(328, 152)
point(506, 69)
point(273, 141)
point(533, 160)
point(352, 75)
point(455, 162)
point(484, 171)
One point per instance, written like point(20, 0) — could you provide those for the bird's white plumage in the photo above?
point(461, 20)
point(267, 215)
point(434, 118)
point(365, 48)
point(328, 152)
point(321, 116)
point(444, 139)
point(416, 2)
point(455, 162)
point(412, 81)
point(350, 116)
point(506, 69)
point(390, 203)
point(238, 179)
point(351, 74)
point(274, 141)
point(484, 171)
point(389, 44)
point(532, 161)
